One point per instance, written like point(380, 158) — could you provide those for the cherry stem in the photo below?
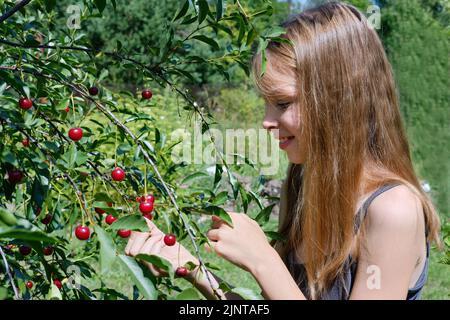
point(145, 178)
point(115, 148)
point(73, 109)
point(78, 194)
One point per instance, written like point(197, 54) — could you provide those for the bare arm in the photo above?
point(395, 236)
point(281, 287)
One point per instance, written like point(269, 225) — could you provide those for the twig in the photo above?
point(16, 293)
point(16, 8)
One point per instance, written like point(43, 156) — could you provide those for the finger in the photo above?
point(213, 234)
point(139, 241)
point(130, 243)
point(218, 248)
point(148, 245)
point(208, 248)
point(152, 227)
point(156, 249)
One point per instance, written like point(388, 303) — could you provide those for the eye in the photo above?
point(283, 105)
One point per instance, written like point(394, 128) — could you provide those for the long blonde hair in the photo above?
point(351, 126)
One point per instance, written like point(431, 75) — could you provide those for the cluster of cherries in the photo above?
point(146, 203)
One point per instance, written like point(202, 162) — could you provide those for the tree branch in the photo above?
point(16, 8)
point(16, 293)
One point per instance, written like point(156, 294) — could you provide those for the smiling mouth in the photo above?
point(285, 141)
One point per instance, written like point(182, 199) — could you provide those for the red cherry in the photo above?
point(67, 109)
point(25, 250)
point(76, 134)
point(93, 91)
point(25, 142)
point(29, 284)
point(15, 176)
point(57, 283)
point(82, 232)
point(146, 207)
point(110, 219)
point(146, 94)
point(99, 211)
point(118, 174)
point(170, 239)
point(148, 216)
point(149, 198)
point(47, 219)
point(48, 251)
point(124, 233)
point(25, 103)
point(181, 272)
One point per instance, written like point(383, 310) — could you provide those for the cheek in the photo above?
point(291, 121)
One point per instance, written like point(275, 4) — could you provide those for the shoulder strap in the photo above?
point(363, 211)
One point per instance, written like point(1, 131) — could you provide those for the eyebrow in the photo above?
point(280, 95)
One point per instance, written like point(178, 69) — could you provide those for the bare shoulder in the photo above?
point(398, 209)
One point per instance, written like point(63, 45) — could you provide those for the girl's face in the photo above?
point(283, 116)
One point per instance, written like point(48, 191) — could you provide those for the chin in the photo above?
point(295, 159)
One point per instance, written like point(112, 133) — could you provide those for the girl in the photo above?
point(357, 224)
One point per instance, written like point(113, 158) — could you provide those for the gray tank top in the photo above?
point(341, 288)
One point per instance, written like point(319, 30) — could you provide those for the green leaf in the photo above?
point(145, 286)
point(264, 215)
point(251, 36)
point(212, 266)
point(101, 196)
point(274, 32)
point(50, 5)
point(247, 294)
point(219, 9)
point(8, 156)
point(263, 63)
point(107, 249)
point(218, 174)
point(244, 197)
point(81, 158)
point(182, 11)
point(256, 198)
point(194, 176)
point(220, 199)
point(273, 235)
point(242, 28)
point(24, 234)
point(71, 155)
point(234, 183)
point(189, 294)
point(207, 40)
point(130, 222)
point(158, 262)
point(100, 4)
point(203, 10)
point(221, 213)
point(54, 293)
point(7, 217)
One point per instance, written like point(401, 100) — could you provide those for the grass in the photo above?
point(437, 286)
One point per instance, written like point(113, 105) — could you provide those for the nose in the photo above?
point(270, 120)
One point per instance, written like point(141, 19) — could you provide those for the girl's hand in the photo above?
point(244, 245)
point(152, 243)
